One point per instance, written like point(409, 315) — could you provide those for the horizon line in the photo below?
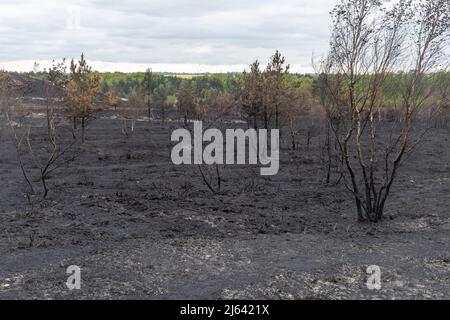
point(132, 67)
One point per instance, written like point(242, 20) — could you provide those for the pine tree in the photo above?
point(251, 94)
point(148, 87)
point(187, 105)
point(81, 93)
point(274, 86)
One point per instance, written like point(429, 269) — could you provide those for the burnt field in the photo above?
point(140, 227)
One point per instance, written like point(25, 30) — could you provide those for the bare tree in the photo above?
point(148, 87)
point(46, 156)
point(370, 43)
point(130, 114)
point(329, 89)
point(216, 107)
point(14, 114)
point(56, 78)
point(50, 157)
point(442, 99)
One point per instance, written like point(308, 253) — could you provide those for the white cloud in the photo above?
point(197, 34)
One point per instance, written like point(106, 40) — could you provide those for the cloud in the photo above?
point(194, 34)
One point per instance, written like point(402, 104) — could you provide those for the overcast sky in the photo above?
point(167, 35)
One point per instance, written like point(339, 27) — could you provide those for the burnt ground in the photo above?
point(142, 228)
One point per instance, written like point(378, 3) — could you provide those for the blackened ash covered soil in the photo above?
point(141, 227)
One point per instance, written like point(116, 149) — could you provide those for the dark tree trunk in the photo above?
point(83, 127)
point(329, 160)
point(277, 118)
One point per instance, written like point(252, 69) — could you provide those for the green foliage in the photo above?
point(166, 85)
point(81, 93)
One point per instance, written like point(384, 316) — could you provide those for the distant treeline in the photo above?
point(165, 86)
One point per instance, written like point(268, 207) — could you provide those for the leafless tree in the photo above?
point(15, 113)
point(368, 44)
point(56, 78)
point(129, 114)
point(148, 88)
point(45, 156)
point(441, 99)
point(50, 158)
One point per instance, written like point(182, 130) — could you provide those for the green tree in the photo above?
point(81, 93)
point(274, 87)
point(251, 94)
